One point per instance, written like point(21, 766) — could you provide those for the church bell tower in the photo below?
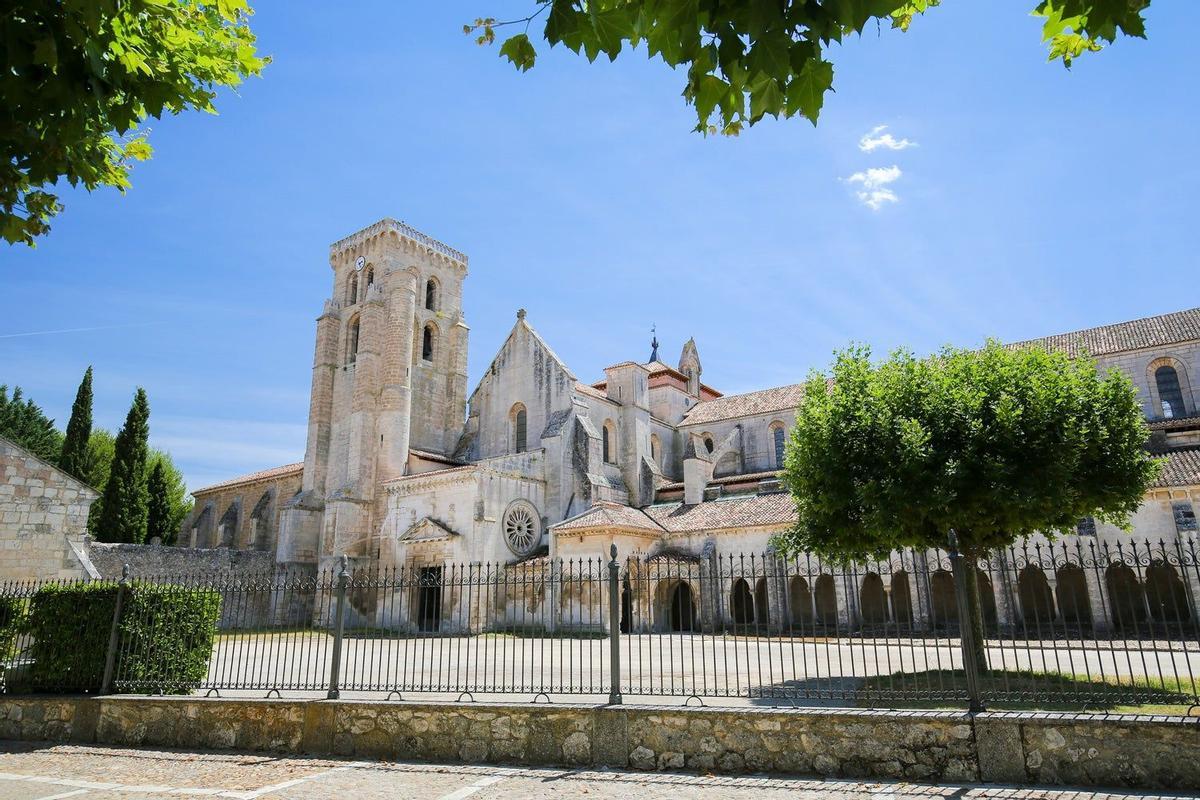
point(389, 376)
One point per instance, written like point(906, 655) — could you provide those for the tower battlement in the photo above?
point(402, 229)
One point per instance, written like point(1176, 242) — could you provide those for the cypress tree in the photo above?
point(22, 422)
point(159, 518)
point(74, 457)
point(123, 517)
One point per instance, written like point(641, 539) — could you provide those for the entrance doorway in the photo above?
point(683, 608)
point(429, 599)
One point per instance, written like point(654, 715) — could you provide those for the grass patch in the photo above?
point(1040, 691)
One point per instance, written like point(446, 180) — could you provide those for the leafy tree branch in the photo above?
point(80, 77)
point(748, 59)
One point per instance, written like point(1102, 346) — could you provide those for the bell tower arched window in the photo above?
point(427, 343)
point(431, 294)
point(370, 277)
point(1170, 395)
point(352, 289)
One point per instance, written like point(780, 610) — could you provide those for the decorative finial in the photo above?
point(520, 313)
point(653, 343)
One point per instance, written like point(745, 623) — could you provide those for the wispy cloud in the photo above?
point(875, 191)
point(877, 138)
point(79, 330)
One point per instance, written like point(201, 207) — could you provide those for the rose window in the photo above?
point(521, 529)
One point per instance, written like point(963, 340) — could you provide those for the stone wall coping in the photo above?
point(1050, 718)
point(515, 705)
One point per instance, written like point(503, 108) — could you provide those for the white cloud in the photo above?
point(875, 191)
point(876, 139)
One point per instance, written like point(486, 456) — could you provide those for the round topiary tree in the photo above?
point(992, 444)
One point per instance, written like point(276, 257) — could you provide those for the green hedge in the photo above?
point(166, 637)
point(12, 611)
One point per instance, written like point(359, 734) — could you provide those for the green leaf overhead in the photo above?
point(79, 79)
point(747, 59)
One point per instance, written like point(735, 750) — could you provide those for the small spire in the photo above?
point(520, 313)
point(653, 343)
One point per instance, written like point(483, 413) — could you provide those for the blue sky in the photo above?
point(1036, 201)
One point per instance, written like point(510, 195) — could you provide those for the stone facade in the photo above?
point(405, 468)
point(43, 517)
point(1141, 752)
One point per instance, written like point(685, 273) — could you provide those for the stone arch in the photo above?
point(352, 288)
point(987, 597)
point(261, 535)
point(675, 602)
point(943, 599)
point(709, 442)
point(1166, 594)
point(608, 444)
point(369, 279)
point(1074, 607)
point(826, 599)
point(902, 599)
point(656, 449)
point(227, 526)
point(1037, 600)
point(762, 602)
point(429, 342)
point(741, 603)
point(1125, 597)
point(872, 600)
point(1170, 386)
point(729, 464)
point(518, 424)
point(203, 529)
point(433, 294)
point(800, 601)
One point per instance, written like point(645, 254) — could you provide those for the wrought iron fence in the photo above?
point(1076, 624)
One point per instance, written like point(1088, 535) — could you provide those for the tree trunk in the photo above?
point(970, 559)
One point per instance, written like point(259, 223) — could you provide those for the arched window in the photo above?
point(352, 289)
point(777, 440)
point(656, 449)
point(352, 341)
point(370, 278)
point(1170, 395)
point(608, 442)
point(517, 418)
point(431, 294)
point(427, 343)
point(708, 442)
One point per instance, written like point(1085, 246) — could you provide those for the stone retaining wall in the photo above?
point(1011, 747)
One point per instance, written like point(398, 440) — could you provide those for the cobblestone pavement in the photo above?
point(55, 772)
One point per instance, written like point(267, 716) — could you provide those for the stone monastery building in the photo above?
point(407, 466)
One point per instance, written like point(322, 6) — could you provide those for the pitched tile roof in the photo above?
point(254, 477)
point(1178, 326)
point(733, 512)
point(1174, 423)
point(605, 514)
point(1182, 468)
point(730, 406)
